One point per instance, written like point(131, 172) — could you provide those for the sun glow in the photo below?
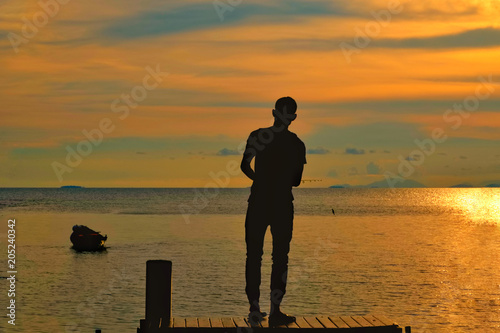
point(480, 206)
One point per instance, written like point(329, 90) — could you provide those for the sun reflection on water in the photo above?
point(476, 205)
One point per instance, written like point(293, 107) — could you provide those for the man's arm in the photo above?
point(297, 177)
point(245, 166)
point(248, 155)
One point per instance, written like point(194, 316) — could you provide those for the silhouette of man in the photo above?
point(279, 161)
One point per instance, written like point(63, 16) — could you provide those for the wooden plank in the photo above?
point(216, 322)
point(179, 322)
point(373, 320)
point(313, 322)
point(192, 322)
point(204, 322)
point(349, 321)
point(240, 322)
point(302, 322)
point(339, 322)
point(384, 319)
point(362, 321)
point(326, 322)
point(228, 322)
point(378, 322)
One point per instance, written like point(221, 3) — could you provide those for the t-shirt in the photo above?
point(279, 157)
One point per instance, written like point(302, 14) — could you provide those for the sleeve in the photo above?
point(251, 140)
point(250, 150)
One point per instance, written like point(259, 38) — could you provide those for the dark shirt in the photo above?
point(279, 157)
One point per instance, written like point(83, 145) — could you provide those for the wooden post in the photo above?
point(158, 293)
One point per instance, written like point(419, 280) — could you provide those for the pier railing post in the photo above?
point(158, 293)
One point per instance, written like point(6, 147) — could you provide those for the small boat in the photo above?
point(86, 239)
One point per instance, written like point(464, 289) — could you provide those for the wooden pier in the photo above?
point(159, 314)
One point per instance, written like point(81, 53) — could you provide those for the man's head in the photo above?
point(285, 110)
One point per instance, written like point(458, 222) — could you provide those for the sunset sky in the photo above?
point(371, 79)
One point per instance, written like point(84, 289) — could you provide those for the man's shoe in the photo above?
point(256, 317)
point(280, 318)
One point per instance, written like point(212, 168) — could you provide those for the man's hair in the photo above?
point(288, 103)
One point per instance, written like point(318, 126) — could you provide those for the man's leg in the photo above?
point(255, 230)
point(281, 229)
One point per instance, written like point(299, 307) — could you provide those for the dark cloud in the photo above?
point(354, 151)
point(204, 15)
point(372, 169)
point(332, 174)
point(413, 158)
point(477, 38)
point(231, 72)
point(227, 152)
point(318, 151)
point(399, 106)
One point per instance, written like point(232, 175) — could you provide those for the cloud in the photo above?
point(476, 38)
point(231, 72)
point(372, 169)
point(469, 39)
point(354, 151)
point(353, 171)
point(204, 15)
point(332, 174)
point(227, 152)
point(413, 158)
point(462, 157)
point(318, 151)
point(398, 106)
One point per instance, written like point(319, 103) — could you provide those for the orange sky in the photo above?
point(357, 114)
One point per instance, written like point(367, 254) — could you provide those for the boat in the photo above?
point(86, 239)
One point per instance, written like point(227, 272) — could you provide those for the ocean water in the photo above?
point(428, 258)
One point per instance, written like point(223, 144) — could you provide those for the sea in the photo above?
point(427, 258)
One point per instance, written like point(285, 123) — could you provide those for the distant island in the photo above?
point(407, 183)
point(463, 185)
point(494, 183)
point(72, 186)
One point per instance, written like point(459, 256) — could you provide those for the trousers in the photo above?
point(260, 215)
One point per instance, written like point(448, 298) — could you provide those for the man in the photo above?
point(279, 162)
